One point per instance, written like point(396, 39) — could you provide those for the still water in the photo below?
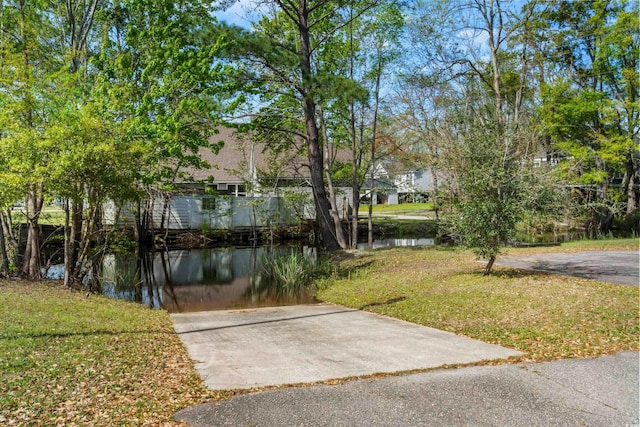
point(200, 279)
point(205, 279)
point(386, 243)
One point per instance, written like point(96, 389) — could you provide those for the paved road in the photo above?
point(622, 267)
point(581, 392)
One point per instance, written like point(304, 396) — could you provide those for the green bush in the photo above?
point(628, 225)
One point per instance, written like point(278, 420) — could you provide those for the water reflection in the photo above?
point(387, 243)
point(199, 279)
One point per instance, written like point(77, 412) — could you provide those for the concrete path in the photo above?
point(309, 343)
point(579, 392)
point(622, 267)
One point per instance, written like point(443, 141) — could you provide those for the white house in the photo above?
point(395, 183)
point(245, 186)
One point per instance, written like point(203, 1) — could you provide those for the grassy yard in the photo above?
point(71, 359)
point(68, 359)
point(400, 209)
point(545, 316)
point(49, 216)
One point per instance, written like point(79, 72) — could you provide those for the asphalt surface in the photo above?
point(621, 267)
point(580, 392)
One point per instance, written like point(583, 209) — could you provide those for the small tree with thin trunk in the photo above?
point(491, 194)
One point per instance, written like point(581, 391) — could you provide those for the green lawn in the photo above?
point(49, 216)
point(402, 208)
point(545, 316)
point(69, 359)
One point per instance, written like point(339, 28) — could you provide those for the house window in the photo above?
point(236, 190)
point(208, 203)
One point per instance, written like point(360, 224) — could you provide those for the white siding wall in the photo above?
point(186, 211)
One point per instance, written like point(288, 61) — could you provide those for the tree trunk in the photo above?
point(370, 219)
point(355, 184)
point(83, 264)
point(323, 221)
point(80, 22)
point(76, 234)
point(487, 268)
point(4, 256)
point(628, 186)
point(164, 221)
point(138, 227)
point(436, 205)
point(373, 145)
point(67, 245)
point(73, 236)
point(9, 237)
point(31, 260)
point(337, 223)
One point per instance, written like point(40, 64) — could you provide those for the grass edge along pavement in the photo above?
point(545, 316)
point(69, 359)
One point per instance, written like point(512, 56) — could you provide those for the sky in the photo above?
point(237, 14)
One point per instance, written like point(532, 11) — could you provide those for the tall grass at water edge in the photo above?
point(291, 271)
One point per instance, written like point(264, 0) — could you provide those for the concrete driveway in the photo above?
point(310, 343)
point(621, 267)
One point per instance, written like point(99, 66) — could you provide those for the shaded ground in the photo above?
point(622, 267)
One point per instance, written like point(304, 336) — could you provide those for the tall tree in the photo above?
point(350, 106)
point(77, 19)
point(380, 47)
point(31, 57)
point(160, 80)
point(102, 100)
point(43, 45)
point(477, 65)
point(284, 56)
point(591, 105)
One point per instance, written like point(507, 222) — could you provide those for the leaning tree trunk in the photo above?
point(487, 268)
point(323, 207)
point(337, 223)
point(323, 221)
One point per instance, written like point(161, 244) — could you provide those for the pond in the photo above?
point(206, 279)
point(200, 279)
point(393, 242)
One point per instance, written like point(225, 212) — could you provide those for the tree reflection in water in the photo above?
point(200, 279)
